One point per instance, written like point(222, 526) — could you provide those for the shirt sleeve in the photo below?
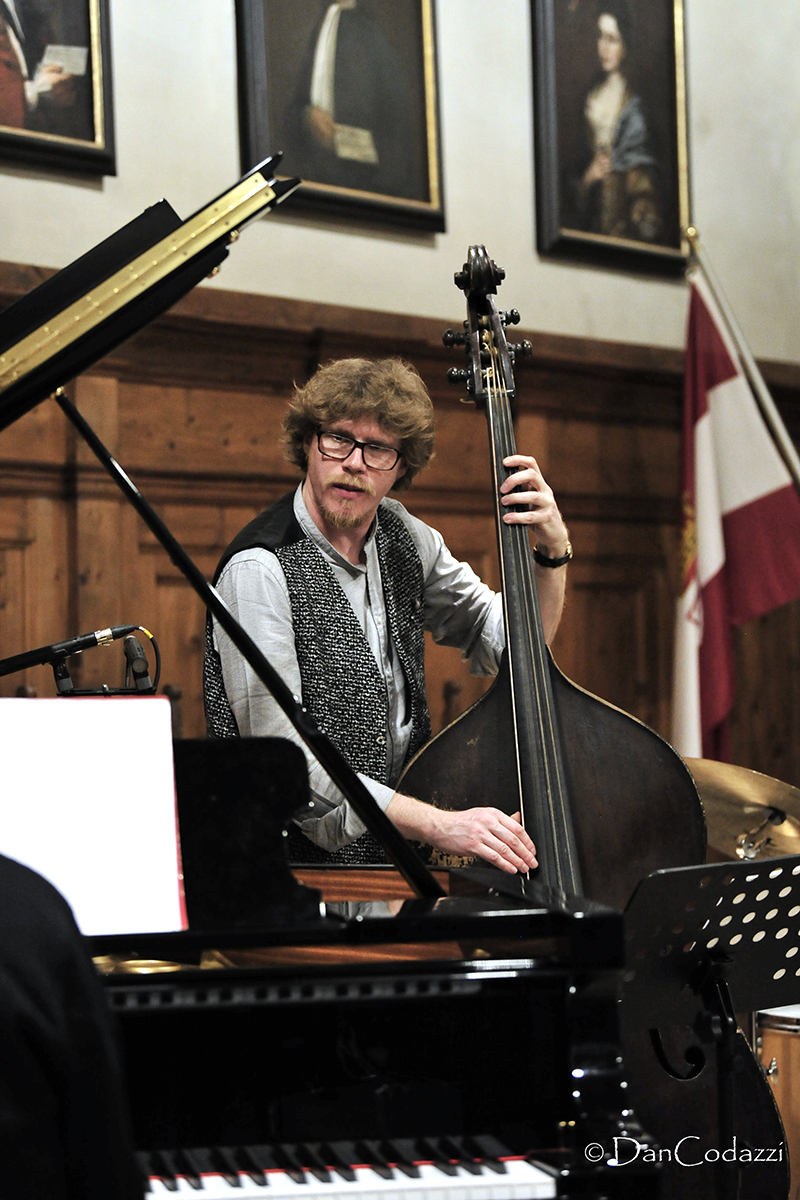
point(254, 587)
point(460, 609)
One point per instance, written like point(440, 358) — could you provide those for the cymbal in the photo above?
point(749, 815)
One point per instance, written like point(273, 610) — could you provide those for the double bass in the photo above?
point(605, 799)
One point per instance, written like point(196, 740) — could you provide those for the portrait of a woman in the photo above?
point(616, 192)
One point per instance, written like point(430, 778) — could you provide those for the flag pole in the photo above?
point(769, 410)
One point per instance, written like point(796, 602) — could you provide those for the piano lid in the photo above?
point(72, 320)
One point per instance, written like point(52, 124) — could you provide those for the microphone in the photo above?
point(59, 650)
point(137, 662)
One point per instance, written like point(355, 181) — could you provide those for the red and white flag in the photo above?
point(741, 529)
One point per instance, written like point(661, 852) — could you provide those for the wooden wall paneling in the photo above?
point(103, 550)
point(617, 483)
point(614, 638)
point(46, 585)
point(607, 463)
point(765, 722)
point(16, 537)
point(33, 585)
point(532, 435)
point(41, 437)
point(460, 464)
point(181, 625)
point(616, 635)
point(202, 430)
point(178, 615)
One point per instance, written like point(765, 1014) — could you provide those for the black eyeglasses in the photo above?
point(340, 446)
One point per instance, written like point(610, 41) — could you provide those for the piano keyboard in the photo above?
point(441, 1168)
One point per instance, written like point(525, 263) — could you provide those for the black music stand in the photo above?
point(703, 942)
point(235, 798)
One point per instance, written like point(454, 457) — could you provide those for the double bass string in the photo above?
point(549, 798)
point(493, 413)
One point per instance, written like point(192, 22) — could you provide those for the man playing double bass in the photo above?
point(337, 583)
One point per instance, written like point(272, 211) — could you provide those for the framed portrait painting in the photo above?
point(55, 84)
point(612, 173)
point(347, 91)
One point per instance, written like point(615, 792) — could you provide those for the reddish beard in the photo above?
point(345, 517)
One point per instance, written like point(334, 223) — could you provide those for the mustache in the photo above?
point(349, 482)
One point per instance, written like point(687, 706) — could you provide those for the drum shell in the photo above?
point(778, 1039)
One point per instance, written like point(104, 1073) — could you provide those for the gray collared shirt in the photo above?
point(460, 611)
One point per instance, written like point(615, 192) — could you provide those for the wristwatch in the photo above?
point(544, 561)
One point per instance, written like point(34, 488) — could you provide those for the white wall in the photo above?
point(175, 95)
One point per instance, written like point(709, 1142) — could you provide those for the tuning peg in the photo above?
point(523, 349)
point(458, 376)
point(451, 338)
point(511, 317)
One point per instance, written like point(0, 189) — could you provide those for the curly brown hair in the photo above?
point(388, 390)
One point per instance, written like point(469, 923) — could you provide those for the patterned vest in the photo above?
point(343, 688)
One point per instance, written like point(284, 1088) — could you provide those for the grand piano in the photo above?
point(364, 1040)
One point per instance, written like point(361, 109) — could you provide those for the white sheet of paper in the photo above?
point(88, 800)
point(354, 143)
point(71, 59)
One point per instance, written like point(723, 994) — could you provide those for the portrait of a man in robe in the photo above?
point(349, 96)
point(55, 84)
point(45, 67)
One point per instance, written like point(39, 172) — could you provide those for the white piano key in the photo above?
point(522, 1181)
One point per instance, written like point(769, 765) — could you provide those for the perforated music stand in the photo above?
point(705, 942)
point(737, 922)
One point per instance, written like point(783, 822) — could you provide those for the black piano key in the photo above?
point(463, 1158)
point(335, 1159)
point(143, 1163)
point(447, 1153)
point(285, 1159)
point(223, 1163)
point(490, 1151)
point(430, 1152)
point(246, 1162)
point(187, 1165)
point(370, 1155)
point(161, 1166)
point(310, 1161)
point(264, 1158)
point(402, 1157)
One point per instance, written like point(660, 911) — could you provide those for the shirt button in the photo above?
point(380, 740)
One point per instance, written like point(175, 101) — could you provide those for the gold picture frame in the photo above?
point(611, 144)
point(368, 146)
point(56, 106)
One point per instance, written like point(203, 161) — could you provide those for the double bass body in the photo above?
point(634, 805)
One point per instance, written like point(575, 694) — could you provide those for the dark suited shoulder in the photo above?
point(64, 1126)
point(276, 526)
